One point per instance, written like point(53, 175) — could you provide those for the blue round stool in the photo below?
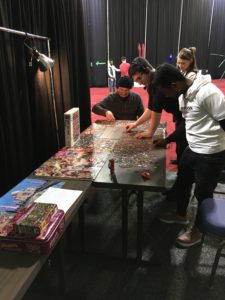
point(212, 221)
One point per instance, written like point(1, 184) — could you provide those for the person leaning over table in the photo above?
point(186, 62)
point(143, 72)
point(121, 105)
point(203, 108)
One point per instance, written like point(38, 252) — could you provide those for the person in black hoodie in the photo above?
point(143, 72)
point(121, 105)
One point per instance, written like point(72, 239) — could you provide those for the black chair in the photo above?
point(212, 219)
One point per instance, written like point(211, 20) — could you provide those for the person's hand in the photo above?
point(130, 126)
point(160, 143)
point(109, 116)
point(143, 134)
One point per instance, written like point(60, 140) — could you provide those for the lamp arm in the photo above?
point(17, 32)
point(53, 98)
point(26, 45)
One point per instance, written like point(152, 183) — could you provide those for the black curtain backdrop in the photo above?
point(27, 124)
point(127, 29)
point(195, 29)
point(95, 16)
point(162, 30)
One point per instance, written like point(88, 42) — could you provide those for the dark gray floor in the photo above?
point(170, 273)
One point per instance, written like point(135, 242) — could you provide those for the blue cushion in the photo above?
point(212, 216)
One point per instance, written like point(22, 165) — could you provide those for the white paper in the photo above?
point(62, 197)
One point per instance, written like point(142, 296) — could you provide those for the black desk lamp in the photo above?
point(45, 63)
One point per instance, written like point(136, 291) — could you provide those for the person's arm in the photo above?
point(179, 131)
point(154, 123)
point(173, 137)
point(116, 69)
point(143, 118)
point(102, 107)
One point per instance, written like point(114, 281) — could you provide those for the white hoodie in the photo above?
point(203, 106)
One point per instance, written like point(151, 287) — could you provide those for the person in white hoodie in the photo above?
point(203, 107)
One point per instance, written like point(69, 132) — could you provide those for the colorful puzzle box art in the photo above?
point(18, 195)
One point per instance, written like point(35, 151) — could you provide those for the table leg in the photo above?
point(69, 234)
point(139, 224)
point(81, 229)
point(124, 222)
point(81, 215)
point(58, 258)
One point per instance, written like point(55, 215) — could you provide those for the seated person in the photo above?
point(121, 105)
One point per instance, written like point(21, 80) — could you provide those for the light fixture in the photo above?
point(44, 62)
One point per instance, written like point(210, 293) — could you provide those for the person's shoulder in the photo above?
point(206, 90)
point(209, 89)
point(113, 96)
point(191, 75)
point(135, 95)
point(110, 97)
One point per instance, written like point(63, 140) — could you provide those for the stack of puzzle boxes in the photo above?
point(34, 228)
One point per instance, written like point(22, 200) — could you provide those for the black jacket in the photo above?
point(129, 108)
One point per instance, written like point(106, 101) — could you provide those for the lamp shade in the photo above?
point(45, 62)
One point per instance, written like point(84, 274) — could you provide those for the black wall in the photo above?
point(171, 25)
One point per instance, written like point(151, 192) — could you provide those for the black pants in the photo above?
point(204, 170)
point(181, 142)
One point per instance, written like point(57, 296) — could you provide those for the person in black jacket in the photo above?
point(143, 72)
point(121, 105)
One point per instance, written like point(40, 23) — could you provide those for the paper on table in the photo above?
point(62, 197)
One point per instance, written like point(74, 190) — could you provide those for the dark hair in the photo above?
point(123, 58)
point(140, 65)
point(125, 82)
point(189, 54)
point(165, 75)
